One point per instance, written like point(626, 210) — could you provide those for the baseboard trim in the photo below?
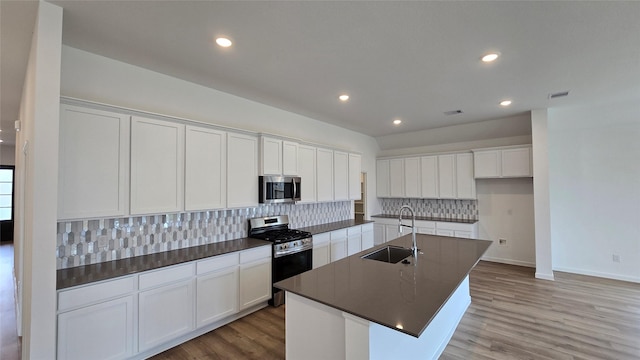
point(508, 261)
point(544, 276)
point(632, 279)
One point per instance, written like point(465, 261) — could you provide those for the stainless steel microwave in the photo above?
point(279, 189)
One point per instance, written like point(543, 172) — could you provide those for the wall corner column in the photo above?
point(540, 142)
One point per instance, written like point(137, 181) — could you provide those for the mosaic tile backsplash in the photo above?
point(87, 242)
point(439, 208)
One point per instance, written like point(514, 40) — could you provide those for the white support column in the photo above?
point(539, 137)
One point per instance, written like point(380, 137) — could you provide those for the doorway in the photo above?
point(359, 206)
point(7, 178)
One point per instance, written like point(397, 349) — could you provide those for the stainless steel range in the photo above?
point(292, 249)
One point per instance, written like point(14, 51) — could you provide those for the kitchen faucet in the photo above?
point(413, 228)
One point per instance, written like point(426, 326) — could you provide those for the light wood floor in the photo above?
point(512, 316)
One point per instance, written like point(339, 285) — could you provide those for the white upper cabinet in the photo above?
point(396, 177)
point(278, 157)
point(447, 176)
point(290, 158)
point(412, 177)
point(93, 173)
point(324, 174)
point(355, 170)
point(465, 183)
point(270, 156)
point(242, 170)
point(429, 177)
point(340, 176)
point(512, 161)
point(517, 162)
point(157, 166)
point(205, 169)
point(307, 172)
point(382, 178)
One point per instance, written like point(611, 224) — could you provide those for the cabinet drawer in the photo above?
point(89, 294)
point(217, 263)
point(166, 276)
point(255, 254)
point(354, 230)
point(339, 234)
point(321, 239)
point(367, 227)
point(454, 226)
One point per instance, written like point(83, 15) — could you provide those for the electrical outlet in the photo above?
point(503, 242)
point(103, 241)
point(615, 258)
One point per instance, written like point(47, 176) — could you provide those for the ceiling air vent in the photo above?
point(453, 112)
point(558, 94)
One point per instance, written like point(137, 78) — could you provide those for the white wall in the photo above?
point(505, 208)
point(36, 187)
point(92, 77)
point(594, 183)
point(7, 155)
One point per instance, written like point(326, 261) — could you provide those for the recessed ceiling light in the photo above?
point(505, 102)
point(490, 57)
point(343, 97)
point(397, 122)
point(224, 42)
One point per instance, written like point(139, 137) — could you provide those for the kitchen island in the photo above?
point(366, 309)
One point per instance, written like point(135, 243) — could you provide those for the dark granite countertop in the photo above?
point(426, 218)
point(80, 275)
point(318, 229)
point(392, 294)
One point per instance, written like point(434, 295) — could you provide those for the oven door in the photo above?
point(287, 266)
point(279, 189)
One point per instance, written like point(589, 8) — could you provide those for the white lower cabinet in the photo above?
point(165, 313)
point(367, 236)
point(103, 320)
point(321, 250)
point(354, 240)
point(378, 233)
point(216, 295)
point(101, 331)
point(338, 244)
point(255, 276)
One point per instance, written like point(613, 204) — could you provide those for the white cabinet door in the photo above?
point(355, 170)
point(165, 313)
point(465, 182)
point(321, 255)
point(270, 156)
point(396, 177)
point(341, 175)
point(382, 178)
point(354, 244)
point(379, 233)
point(444, 232)
point(391, 232)
point(487, 164)
point(157, 166)
point(367, 241)
point(93, 167)
point(205, 169)
point(255, 283)
point(290, 158)
point(324, 174)
point(412, 177)
point(242, 170)
point(307, 172)
point(216, 295)
point(516, 162)
point(102, 331)
point(426, 230)
point(429, 177)
point(339, 248)
point(447, 176)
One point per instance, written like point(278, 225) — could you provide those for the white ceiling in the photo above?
point(408, 60)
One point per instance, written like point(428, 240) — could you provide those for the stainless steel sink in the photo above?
point(389, 254)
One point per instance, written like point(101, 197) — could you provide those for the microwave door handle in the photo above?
point(295, 188)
